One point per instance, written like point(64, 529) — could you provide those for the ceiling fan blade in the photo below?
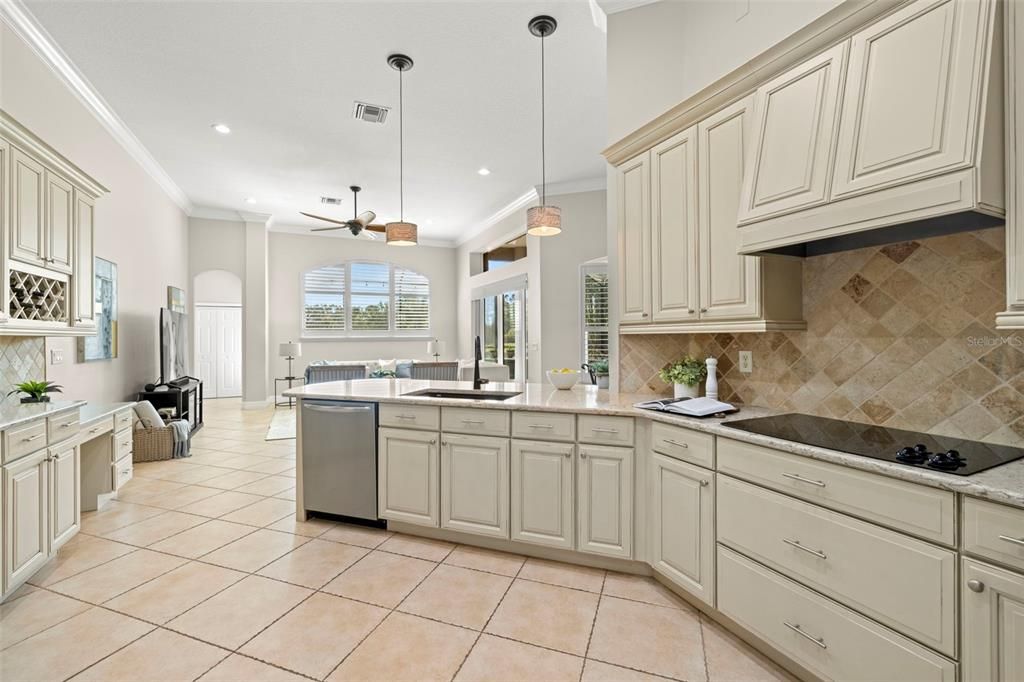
point(371, 235)
point(326, 229)
point(343, 223)
point(365, 218)
point(375, 228)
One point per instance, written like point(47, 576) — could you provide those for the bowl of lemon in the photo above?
point(564, 378)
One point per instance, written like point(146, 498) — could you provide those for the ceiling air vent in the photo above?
point(330, 201)
point(371, 113)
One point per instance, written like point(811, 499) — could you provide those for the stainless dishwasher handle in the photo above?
point(324, 408)
point(1016, 541)
point(801, 479)
point(797, 545)
point(800, 631)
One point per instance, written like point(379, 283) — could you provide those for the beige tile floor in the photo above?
point(200, 571)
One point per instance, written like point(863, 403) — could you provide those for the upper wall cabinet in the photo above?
point(795, 124)
point(679, 268)
point(634, 219)
point(919, 101)
point(47, 232)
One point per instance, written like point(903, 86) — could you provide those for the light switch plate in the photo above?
point(56, 357)
point(746, 361)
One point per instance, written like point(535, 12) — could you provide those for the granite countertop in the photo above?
point(94, 411)
point(13, 412)
point(1002, 484)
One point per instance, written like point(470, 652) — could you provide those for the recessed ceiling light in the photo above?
point(221, 128)
point(250, 200)
point(484, 171)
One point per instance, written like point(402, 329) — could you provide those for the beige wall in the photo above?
point(293, 254)
point(137, 225)
point(900, 335)
point(660, 54)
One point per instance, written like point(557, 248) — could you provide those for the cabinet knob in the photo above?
point(690, 311)
point(583, 455)
point(703, 310)
point(975, 586)
point(643, 314)
point(433, 440)
point(568, 454)
point(704, 483)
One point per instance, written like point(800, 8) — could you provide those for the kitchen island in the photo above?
point(836, 565)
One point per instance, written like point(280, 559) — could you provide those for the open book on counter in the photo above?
point(688, 407)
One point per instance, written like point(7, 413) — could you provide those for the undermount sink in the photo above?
point(458, 394)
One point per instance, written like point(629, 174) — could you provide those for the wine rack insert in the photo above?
point(37, 298)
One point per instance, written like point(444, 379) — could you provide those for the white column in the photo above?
point(256, 384)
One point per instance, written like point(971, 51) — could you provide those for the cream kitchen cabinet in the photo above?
point(5, 155)
point(28, 209)
point(543, 493)
point(679, 268)
point(674, 257)
point(993, 623)
point(84, 271)
point(634, 219)
point(682, 498)
point(919, 98)
point(407, 476)
point(60, 211)
point(475, 484)
point(26, 518)
point(604, 496)
point(65, 502)
point(789, 164)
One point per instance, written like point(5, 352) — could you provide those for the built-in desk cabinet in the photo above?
point(26, 517)
point(47, 232)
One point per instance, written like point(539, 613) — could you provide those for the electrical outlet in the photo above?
point(56, 357)
point(746, 361)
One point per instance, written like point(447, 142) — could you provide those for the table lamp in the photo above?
point(290, 351)
point(435, 347)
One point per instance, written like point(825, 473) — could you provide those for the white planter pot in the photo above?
point(602, 381)
point(684, 391)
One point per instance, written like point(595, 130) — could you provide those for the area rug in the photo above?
point(282, 425)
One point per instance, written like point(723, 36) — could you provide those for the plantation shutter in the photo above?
point(370, 297)
point(324, 300)
point(595, 313)
point(412, 301)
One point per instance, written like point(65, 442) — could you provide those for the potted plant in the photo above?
point(600, 371)
point(35, 391)
point(685, 375)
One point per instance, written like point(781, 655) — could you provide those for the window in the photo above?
point(506, 254)
point(365, 299)
point(499, 316)
point(595, 312)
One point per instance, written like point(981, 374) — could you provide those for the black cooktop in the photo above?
point(922, 450)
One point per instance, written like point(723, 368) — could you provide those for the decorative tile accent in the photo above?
point(21, 358)
point(901, 335)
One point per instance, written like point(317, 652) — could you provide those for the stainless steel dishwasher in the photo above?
point(339, 458)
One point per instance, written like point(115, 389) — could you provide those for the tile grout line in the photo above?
point(593, 623)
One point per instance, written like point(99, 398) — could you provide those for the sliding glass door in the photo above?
point(501, 324)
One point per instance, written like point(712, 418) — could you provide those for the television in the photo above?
point(174, 345)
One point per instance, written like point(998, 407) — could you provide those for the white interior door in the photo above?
point(219, 350)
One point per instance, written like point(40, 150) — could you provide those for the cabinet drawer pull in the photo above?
point(801, 479)
point(1016, 541)
point(67, 425)
point(96, 429)
point(478, 422)
point(541, 426)
point(599, 429)
point(677, 443)
point(975, 586)
point(32, 438)
point(798, 630)
point(796, 544)
point(405, 416)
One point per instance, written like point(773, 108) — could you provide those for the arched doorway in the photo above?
point(218, 332)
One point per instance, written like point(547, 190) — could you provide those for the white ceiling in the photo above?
point(284, 76)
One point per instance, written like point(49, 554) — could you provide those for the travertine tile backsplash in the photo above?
point(902, 335)
point(21, 358)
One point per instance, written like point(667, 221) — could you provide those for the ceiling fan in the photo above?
point(361, 222)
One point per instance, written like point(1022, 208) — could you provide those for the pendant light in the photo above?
point(543, 220)
point(401, 233)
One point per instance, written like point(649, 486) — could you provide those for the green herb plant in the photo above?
point(689, 371)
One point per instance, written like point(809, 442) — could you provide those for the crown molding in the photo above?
point(616, 6)
point(17, 16)
point(505, 211)
point(575, 186)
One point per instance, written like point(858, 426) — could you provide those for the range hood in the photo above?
point(894, 134)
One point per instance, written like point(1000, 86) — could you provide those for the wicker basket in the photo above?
point(152, 444)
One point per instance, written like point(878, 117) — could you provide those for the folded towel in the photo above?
point(180, 433)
